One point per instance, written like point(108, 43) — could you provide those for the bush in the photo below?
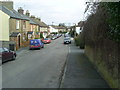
point(79, 41)
point(37, 38)
point(41, 35)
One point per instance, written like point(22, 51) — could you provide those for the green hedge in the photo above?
point(79, 41)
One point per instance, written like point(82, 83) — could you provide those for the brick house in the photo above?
point(34, 27)
point(42, 27)
point(18, 24)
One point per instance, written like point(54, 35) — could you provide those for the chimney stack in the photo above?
point(7, 4)
point(32, 16)
point(27, 13)
point(20, 10)
point(38, 19)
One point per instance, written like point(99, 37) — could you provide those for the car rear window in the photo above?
point(46, 39)
point(33, 42)
point(66, 39)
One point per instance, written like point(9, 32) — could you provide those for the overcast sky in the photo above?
point(57, 11)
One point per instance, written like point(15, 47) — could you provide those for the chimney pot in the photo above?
point(27, 13)
point(20, 10)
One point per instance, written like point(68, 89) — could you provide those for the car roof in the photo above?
point(34, 39)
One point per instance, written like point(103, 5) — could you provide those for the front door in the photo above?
point(19, 41)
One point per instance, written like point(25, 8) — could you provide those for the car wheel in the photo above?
point(14, 57)
point(39, 48)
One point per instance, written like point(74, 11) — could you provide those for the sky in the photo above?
point(54, 11)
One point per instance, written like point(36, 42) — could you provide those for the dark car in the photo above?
point(6, 54)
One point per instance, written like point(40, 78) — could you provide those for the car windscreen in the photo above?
point(1, 50)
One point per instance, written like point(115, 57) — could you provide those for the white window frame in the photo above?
point(17, 24)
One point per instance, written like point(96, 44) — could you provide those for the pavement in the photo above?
point(80, 72)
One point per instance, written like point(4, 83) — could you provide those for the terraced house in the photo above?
point(20, 28)
point(42, 27)
point(18, 24)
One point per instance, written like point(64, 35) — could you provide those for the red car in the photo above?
point(6, 54)
point(46, 40)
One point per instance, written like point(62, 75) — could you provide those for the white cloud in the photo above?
point(70, 11)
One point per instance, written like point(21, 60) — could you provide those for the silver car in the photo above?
point(67, 40)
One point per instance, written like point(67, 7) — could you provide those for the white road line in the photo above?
point(69, 49)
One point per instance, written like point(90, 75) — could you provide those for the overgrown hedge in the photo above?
point(102, 50)
point(79, 41)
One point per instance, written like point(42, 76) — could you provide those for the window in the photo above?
point(24, 24)
point(17, 24)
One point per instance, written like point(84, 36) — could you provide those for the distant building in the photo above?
point(58, 29)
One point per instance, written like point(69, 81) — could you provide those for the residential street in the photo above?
point(36, 68)
point(44, 68)
point(59, 44)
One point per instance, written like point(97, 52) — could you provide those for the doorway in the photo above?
point(19, 41)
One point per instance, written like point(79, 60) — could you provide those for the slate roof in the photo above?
point(31, 21)
point(14, 34)
point(8, 12)
point(17, 15)
point(20, 15)
point(44, 25)
point(41, 24)
point(13, 13)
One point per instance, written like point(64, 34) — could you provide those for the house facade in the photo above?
point(4, 26)
point(18, 28)
point(4, 29)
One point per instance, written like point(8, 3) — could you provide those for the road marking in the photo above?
point(69, 49)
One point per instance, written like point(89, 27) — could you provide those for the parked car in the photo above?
point(67, 40)
point(6, 54)
point(46, 40)
point(66, 35)
point(36, 44)
point(53, 38)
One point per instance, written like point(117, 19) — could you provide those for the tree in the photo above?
point(62, 24)
point(113, 19)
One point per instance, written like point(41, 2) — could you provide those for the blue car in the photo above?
point(36, 44)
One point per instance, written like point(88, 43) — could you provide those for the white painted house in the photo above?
point(52, 29)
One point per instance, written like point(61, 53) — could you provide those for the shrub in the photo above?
point(41, 35)
point(79, 41)
point(37, 38)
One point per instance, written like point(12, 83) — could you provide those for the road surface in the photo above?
point(36, 68)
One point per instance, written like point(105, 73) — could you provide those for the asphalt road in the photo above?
point(36, 68)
